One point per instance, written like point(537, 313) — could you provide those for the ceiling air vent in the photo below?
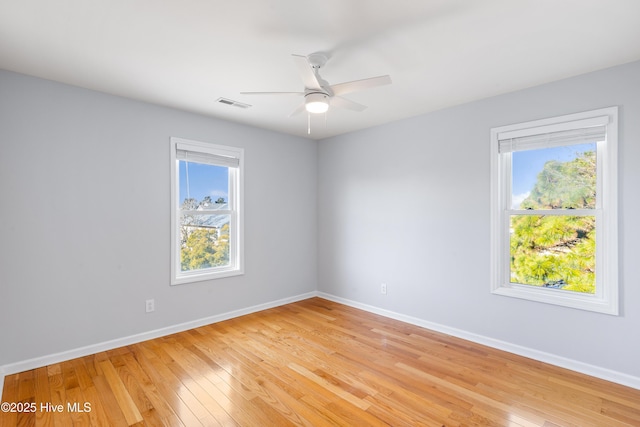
point(232, 103)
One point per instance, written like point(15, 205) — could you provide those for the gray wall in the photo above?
point(408, 204)
point(84, 219)
point(85, 211)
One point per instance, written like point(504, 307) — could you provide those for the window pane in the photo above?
point(204, 241)
point(202, 186)
point(554, 251)
point(554, 178)
point(207, 215)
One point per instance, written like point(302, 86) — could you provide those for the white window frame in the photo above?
point(605, 299)
point(227, 156)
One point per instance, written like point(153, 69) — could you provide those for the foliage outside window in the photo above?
point(554, 220)
point(206, 220)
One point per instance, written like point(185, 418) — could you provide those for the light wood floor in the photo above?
point(314, 363)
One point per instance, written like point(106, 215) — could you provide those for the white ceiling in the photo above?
point(439, 53)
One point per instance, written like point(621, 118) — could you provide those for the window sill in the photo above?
point(559, 297)
point(202, 276)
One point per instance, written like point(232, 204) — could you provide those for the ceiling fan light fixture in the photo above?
point(316, 102)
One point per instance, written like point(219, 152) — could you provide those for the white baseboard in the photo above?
point(541, 356)
point(37, 362)
point(595, 371)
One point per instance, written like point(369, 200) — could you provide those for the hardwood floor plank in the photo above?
point(109, 402)
point(292, 408)
point(26, 387)
point(158, 406)
point(75, 407)
point(167, 385)
point(9, 395)
point(412, 402)
point(58, 399)
point(315, 363)
point(331, 388)
point(184, 369)
point(43, 394)
point(125, 402)
point(98, 415)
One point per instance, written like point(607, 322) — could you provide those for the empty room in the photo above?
point(340, 213)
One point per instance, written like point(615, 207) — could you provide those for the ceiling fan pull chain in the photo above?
point(308, 123)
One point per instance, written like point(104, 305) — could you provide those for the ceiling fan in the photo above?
point(318, 93)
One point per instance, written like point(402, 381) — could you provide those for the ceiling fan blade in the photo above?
point(298, 110)
point(306, 72)
point(356, 85)
point(271, 93)
point(337, 101)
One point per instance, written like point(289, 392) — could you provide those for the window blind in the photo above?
point(569, 133)
point(207, 158)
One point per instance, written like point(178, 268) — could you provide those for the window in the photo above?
point(554, 211)
point(206, 211)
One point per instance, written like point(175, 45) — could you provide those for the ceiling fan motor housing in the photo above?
point(317, 60)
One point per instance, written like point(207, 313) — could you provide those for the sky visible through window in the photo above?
point(526, 165)
point(203, 180)
point(208, 180)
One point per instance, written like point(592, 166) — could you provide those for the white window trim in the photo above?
point(605, 300)
point(236, 204)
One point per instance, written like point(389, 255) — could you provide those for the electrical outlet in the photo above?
point(150, 305)
point(383, 288)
